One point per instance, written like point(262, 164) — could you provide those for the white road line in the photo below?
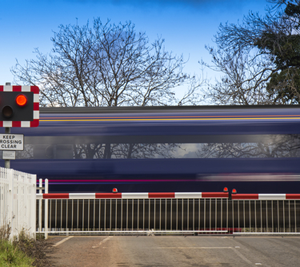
point(103, 241)
point(62, 241)
point(196, 247)
point(242, 256)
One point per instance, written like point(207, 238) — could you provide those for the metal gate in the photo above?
point(168, 213)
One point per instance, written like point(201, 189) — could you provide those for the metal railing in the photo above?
point(168, 213)
point(266, 213)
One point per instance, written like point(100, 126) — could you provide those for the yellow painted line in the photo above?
point(187, 119)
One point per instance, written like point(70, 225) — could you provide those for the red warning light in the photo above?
point(21, 100)
point(115, 190)
point(234, 191)
point(225, 189)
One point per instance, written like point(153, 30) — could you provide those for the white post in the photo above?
point(40, 205)
point(9, 175)
point(33, 206)
point(46, 209)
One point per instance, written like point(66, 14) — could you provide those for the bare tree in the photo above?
point(269, 146)
point(259, 58)
point(105, 65)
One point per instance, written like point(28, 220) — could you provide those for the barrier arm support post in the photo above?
point(46, 209)
point(40, 205)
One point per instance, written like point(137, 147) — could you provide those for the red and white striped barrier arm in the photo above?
point(178, 195)
point(265, 196)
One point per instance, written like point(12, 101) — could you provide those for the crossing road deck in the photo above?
point(203, 251)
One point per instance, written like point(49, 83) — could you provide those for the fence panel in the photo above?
point(18, 201)
point(105, 213)
point(176, 213)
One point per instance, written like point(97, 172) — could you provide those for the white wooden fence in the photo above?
point(18, 201)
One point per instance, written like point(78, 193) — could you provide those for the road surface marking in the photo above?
point(103, 241)
point(62, 241)
point(242, 256)
point(197, 247)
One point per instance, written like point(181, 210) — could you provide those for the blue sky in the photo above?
point(186, 25)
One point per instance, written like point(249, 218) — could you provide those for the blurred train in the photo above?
point(254, 149)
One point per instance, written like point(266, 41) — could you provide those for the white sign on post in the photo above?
point(9, 155)
point(11, 142)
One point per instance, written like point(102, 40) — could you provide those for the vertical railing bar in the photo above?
point(188, 215)
point(55, 215)
point(267, 221)
point(104, 213)
point(244, 215)
point(176, 214)
point(278, 224)
point(182, 210)
point(144, 214)
point(88, 207)
point(199, 217)
point(210, 214)
point(166, 210)
point(221, 214)
point(283, 214)
point(289, 202)
point(272, 214)
point(194, 214)
point(138, 214)
point(250, 225)
point(83, 215)
point(171, 217)
point(255, 217)
point(295, 214)
point(110, 214)
point(99, 217)
point(50, 216)
point(61, 214)
point(160, 214)
point(116, 214)
point(204, 222)
point(127, 208)
point(261, 225)
point(149, 210)
point(72, 215)
point(121, 214)
point(77, 214)
point(94, 215)
point(238, 212)
point(132, 213)
point(216, 212)
point(67, 213)
point(233, 212)
point(154, 223)
point(227, 213)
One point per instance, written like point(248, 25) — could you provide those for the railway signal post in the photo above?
point(19, 107)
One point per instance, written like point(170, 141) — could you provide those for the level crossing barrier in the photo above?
point(266, 214)
point(131, 213)
point(168, 213)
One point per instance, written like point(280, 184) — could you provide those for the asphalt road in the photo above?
point(201, 251)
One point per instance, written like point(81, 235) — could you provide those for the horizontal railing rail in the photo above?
point(167, 195)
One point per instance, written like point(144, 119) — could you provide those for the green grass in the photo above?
point(23, 252)
point(11, 255)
